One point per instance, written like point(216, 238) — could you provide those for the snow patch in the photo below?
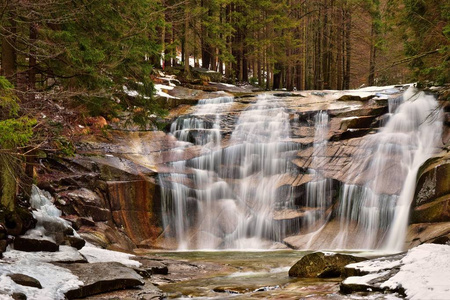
point(159, 90)
point(363, 280)
point(94, 254)
point(55, 281)
point(225, 84)
point(425, 273)
point(374, 265)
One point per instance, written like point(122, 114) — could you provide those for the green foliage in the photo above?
point(15, 131)
point(426, 29)
point(64, 146)
point(8, 100)
point(92, 49)
point(253, 81)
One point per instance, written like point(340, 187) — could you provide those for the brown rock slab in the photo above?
point(34, 245)
point(150, 266)
point(101, 277)
point(426, 233)
point(320, 265)
point(25, 280)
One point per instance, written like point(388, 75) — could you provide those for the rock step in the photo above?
point(101, 277)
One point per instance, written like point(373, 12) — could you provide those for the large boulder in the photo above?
point(430, 208)
point(432, 196)
point(321, 265)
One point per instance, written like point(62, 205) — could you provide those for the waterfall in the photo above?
point(424, 128)
point(375, 214)
point(318, 194)
point(231, 194)
point(225, 197)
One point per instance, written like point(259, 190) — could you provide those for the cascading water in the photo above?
point(260, 143)
point(225, 198)
point(179, 204)
point(375, 214)
point(318, 194)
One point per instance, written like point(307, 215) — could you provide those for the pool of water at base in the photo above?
point(256, 275)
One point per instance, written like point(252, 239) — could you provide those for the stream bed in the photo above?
point(254, 275)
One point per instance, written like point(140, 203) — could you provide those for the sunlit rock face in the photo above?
point(313, 168)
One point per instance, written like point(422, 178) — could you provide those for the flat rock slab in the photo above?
point(151, 266)
point(101, 277)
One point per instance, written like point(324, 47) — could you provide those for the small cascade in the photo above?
point(181, 200)
point(260, 143)
point(318, 191)
point(202, 126)
point(375, 214)
point(225, 197)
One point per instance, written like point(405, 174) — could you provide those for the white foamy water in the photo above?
point(375, 214)
point(208, 208)
point(318, 191)
point(226, 197)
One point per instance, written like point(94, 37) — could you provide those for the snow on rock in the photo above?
point(225, 84)
point(94, 254)
point(363, 280)
point(55, 281)
point(374, 265)
point(65, 254)
point(425, 273)
point(159, 90)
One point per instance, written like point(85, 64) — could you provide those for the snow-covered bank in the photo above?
point(423, 273)
point(46, 270)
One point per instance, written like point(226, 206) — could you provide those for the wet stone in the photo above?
point(34, 245)
point(321, 265)
point(25, 280)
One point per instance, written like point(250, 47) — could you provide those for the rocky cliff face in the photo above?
point(110, 190)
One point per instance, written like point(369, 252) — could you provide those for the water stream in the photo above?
point(254, 275)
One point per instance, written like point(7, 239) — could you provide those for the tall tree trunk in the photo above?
point(186, 38)
point(167, 36)
point(32, 63)
point(373, 49)
point(9, 67)
point(348, 26)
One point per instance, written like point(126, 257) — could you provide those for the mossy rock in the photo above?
point(436, 211)
point(432, 196)
point(320, 265)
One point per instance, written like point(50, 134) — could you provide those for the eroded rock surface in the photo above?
point(322, 265)
point(101, 277)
